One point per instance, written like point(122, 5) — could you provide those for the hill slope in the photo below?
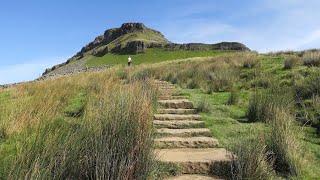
point(135, 38)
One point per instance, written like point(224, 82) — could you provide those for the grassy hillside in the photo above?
point(264, 111)
point(263, 108)
point(153, 55)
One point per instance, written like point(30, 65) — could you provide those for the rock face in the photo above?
point(133, 47)
point(234, 46)
point(112, 34)
point(99, 52)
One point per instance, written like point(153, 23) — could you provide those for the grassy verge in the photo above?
point(97, 128)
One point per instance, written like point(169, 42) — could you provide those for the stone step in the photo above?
point(186, 142)
point(193, 177)
point(176, 117)
point(184, 132)
point(178, 124)
point(177, 111)
point(213, 161)
point(176, 104)
point(169, 97)
point(166, 86)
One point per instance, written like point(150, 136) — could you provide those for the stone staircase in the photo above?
point(183, 140)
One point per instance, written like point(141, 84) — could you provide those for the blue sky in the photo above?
point(36, 34)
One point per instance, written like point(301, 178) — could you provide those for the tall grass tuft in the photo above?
point(263, 103)
point(308, 86)
point(203, 106)
point(290, 62)
point(251, 160)
point(283, 143)
point(233, 98)
point(311, 58)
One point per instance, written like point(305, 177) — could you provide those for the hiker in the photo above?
point(129, 61)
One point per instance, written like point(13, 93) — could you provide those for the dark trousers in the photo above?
point(129, 63)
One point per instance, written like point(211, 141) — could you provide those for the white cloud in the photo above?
point(26, 71)
point(268, 25)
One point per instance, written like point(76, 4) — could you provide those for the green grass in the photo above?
point(153, 55)
point(75, 107)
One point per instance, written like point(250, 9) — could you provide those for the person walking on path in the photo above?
point(129, 61)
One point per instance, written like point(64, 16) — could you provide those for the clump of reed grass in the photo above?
point(234, 97)
point(203, 106)
point(263, 103)
point(308, 86)
point(291, 61)
point(251, 160)
point(311, 58)
point(283, 143)
point(250, 61)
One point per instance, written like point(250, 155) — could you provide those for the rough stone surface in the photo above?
point(174, 124)
point(184, 132)
point(100, 51)
point(188, 142)
point(177, 104)
point(168, 97)
point(195, 161)
point(235, 46)
point(177, 117)
point(177, 111)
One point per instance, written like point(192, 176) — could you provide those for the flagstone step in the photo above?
point(186, 142)
point(176, 104)
point(177, 117)
point(212, 161)
point(184, 132)
point(170, 97)
point(178, 124)
point(177, 111)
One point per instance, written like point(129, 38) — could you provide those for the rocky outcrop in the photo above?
point(235, 46)
point(133, 47)
point(99, 52)
point(112, 34)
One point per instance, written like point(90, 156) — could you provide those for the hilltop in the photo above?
point(113, 46)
